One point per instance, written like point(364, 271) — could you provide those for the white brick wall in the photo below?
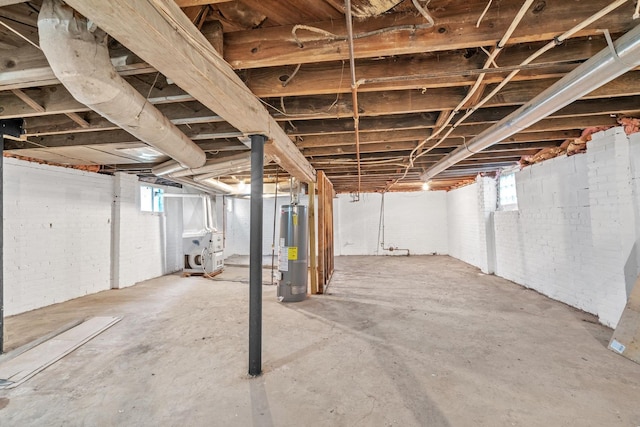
point(575, 235)
point(142, 251)
point(57, 231)
point(464, 224)
point(65, 235)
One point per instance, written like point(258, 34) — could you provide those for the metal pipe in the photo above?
point(354, 88)
point(255, 255)
point(79, 57)
point(1, 242)
point(606, 65)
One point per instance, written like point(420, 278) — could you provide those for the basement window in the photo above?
point(507, 196)
point(151, 199)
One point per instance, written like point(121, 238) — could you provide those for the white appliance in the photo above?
point(202, 242)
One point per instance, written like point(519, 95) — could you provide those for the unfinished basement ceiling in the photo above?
point(411, 76)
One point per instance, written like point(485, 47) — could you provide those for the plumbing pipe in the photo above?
point(79, 57)
point(606, 65)
point(394, 248)
point(173, 169)
point(210, 186)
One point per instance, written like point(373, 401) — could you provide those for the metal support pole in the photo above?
point(255, 255)
point(1, 244)
point(11, 127)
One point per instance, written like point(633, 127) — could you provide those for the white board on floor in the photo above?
point(19, 369)
point(626, 337)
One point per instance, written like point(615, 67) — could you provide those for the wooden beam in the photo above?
point(10, 2)
point(189, 3)
point(313, 256)
point(79, 120)
point(422, 71)
point(188, 113)
point(434, 100)
point(57, 100)
point(274, 46)
point(293, 11)
point(166, 39)
point(28, 100)
point(555, 125)
point(213, 32)
point(27, 67)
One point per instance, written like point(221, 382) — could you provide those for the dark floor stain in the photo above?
point(3, 402)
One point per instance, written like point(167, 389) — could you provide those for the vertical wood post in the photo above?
point(312, 239)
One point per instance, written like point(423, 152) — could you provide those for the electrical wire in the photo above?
point(555, 42)
point(423, 11)
point(283, 112)
point(328, 35)
point(286, 82)
point(484, 12)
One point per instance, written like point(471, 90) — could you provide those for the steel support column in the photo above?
point(255, 255)
point(11, 127)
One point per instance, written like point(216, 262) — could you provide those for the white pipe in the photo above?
point(243, 167)
point(606, 65)
point(173, 168)
point(206, 186)
point(80, 60)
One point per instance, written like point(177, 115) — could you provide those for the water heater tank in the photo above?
point(292, 253)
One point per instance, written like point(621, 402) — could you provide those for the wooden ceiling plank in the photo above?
point(407, 102)
point(285, 12)
point(268, 47)
point(11, 2)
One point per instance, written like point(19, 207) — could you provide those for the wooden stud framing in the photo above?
point(325, 231)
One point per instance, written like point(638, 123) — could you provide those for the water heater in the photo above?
point(292, 253)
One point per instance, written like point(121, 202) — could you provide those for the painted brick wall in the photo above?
point(57, 231)
point(69, 233)
point(142, 251)
point(464, 224)
point(415, 221)
point(544, 244)
point(575, 235)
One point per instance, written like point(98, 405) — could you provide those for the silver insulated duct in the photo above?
point(606, 65)
point(79, 58)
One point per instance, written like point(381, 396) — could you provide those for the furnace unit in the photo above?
point(292, 253)
point(202, 241)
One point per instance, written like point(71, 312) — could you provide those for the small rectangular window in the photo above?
point(507, 195)
point(151, 199)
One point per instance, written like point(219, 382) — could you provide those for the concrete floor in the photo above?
point(402, 341)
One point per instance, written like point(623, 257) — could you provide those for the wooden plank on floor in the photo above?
point(19, 369)
point(626, 337)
